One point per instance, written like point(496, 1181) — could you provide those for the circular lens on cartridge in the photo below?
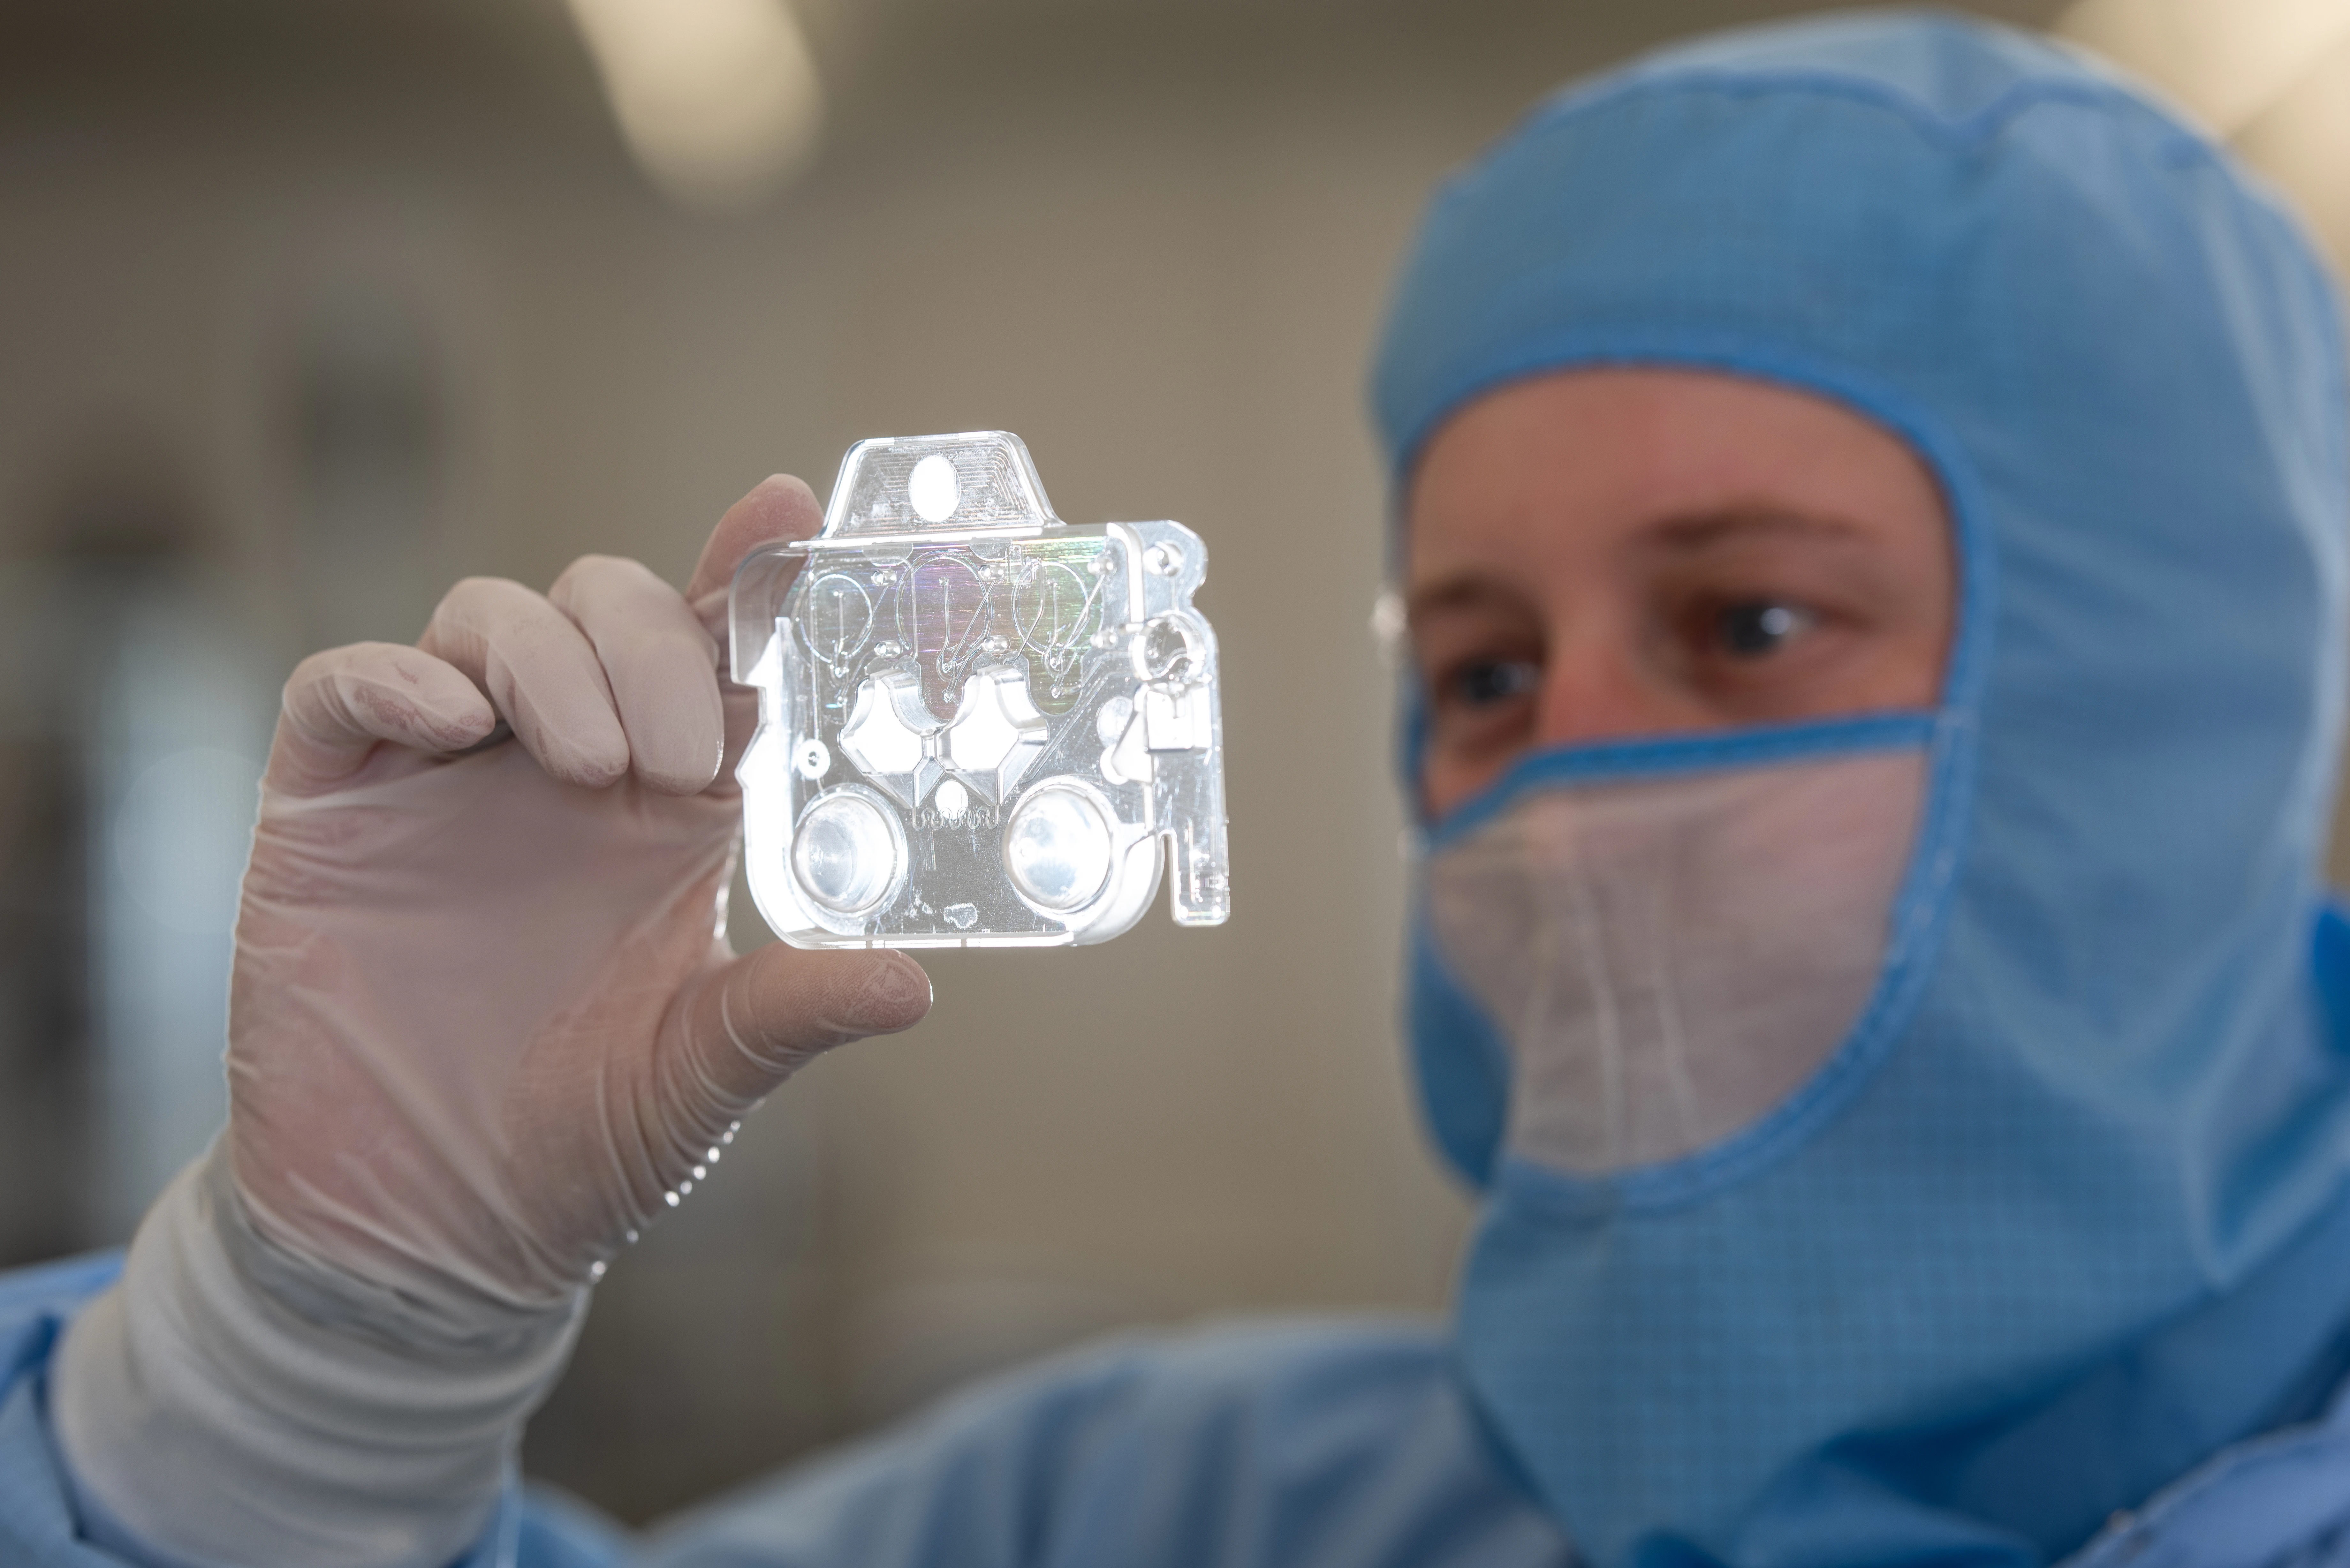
point(1056, 847)
point(1170, 651)
point(848, 853)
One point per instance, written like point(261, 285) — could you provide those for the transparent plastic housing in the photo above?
point(979, 726)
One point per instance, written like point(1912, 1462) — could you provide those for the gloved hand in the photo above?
point(484, 1021)
point(483, 1027)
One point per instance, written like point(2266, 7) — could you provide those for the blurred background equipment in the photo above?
point(310, 310)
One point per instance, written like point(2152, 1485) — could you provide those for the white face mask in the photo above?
point(1669, 959)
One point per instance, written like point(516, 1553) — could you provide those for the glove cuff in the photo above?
point(228, 1402)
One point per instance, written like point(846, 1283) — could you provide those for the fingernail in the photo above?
point(893, 997)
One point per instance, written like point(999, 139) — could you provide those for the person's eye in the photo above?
point(1757, 628)
point(1489, 683)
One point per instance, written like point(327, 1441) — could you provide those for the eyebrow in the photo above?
point(1698, 529)
point(1466, 592)
point(1693, 531)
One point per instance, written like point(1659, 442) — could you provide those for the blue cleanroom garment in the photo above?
point(1329, 1444)
point(2013, 1259)
point(1297, 1445)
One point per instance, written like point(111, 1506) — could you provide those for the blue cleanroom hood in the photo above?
point(2046, 1230)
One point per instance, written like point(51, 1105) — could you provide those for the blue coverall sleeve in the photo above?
point(1305, 1444)
point(984, 1482)
point(38, 1524)
point(1302, 1445)
point(965, 1486)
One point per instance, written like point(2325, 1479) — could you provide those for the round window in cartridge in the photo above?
point(848, 852)
point(1058, 845)
point(934, 489)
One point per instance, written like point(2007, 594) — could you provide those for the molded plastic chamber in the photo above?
point(979, 726)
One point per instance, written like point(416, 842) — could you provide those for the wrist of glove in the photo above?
point(232, 1402)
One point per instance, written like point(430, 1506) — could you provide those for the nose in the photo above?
point(1594, 688)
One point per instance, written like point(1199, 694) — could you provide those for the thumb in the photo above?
point(742, 1028)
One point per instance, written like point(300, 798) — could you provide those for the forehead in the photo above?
point(1563, 464)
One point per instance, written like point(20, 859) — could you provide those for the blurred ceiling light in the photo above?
point(717, 100)
point(2227, 60)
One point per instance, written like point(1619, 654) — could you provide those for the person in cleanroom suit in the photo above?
point(1871, 500)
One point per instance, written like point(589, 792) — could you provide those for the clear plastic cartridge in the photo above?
point(978, 724)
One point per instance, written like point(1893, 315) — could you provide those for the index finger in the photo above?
point(340, 705)
point(780, 507)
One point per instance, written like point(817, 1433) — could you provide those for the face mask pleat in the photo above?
point(1670, 959)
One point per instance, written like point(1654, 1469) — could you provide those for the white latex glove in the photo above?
point(483, 1027)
